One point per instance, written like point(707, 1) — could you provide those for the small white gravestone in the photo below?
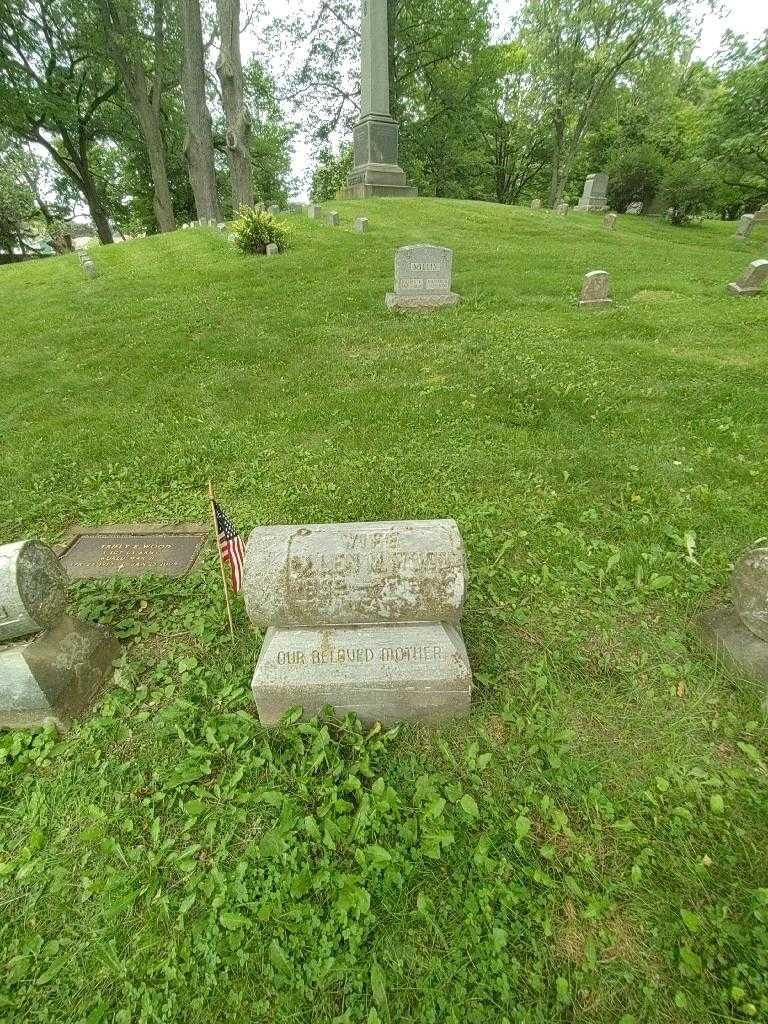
point(594, 198)
point(609, 221)
point(90, 268)
point(272, 250)
point(423, 276)
point(361, 225)
point(314, 212)
point(333, 219)
point(535, 204)
point(635, 209)
point(222, 226)
point(752, 280)
point(746, 225)
point(596, 290)
point(562, 209)
point(360, 616)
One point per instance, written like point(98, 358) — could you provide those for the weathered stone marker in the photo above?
point(376, 170)
point(222, 226)
point(90, 268)
point(355, 572)
point(562, 209)
point(739, 634)
point(596, 290)
point(594, 197)
point(761, 217)
point(752, 280)
point(272, 250)
point(746, 225)
point(361, 225)
point(133, 550)
point(314, 212)
point(333, 219)
point(54, 676)
point(535, 204)
point(33, 588)
point(423, 275)
point(361, 616)
point(609, 221)
point(50, 664)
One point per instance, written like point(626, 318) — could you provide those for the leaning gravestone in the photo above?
point(361, 616)
point(423, 275)
point(609, 221)
point(334, 219)
point(635, 209)
point(133, 550)
point(594, 198)
point(746, 225)
point(596, 290)
point(739, 634)
point(361, 225)
point(51, 664)
point(752, 280)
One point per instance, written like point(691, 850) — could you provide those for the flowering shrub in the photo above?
point(254, 230)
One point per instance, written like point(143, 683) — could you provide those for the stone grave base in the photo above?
point(736, 289)
point(363, 191)
point(734, 644)
point(595, 303)
point(422, 300)
point(593, 206)
point(54, 677)
point(413, 672)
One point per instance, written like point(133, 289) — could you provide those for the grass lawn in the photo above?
point(591, 844)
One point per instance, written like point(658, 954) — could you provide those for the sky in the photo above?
point(745, 17)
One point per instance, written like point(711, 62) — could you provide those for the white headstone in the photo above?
point(361, 225)
point(609, 221)
point(423, 277)
point(535, 204)
point(333, 219)
point(272, 250)
point(314, 212)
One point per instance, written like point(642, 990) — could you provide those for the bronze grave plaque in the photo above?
point(133, 550)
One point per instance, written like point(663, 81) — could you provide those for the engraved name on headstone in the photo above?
point(423, 278)
point(134, 551)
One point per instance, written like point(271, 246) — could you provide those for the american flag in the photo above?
point(231, 546)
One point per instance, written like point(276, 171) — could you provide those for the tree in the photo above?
point(17, 201)
point(738, 128)
point(634, 176)
point(516, 137)
point(578, 49)
point(198, 144)
point(687, 190)
point(53, 89)
point(140, 55)
point(229, 68)
point(330, 173)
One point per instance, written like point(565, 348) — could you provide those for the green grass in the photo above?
point(590, 845)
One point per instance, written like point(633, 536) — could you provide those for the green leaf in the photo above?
point(690, 960)
point(716, 804)
point(378, 984)
point(232, 921)
point(278, 959)
point(752, 752)
point(469, 806)
point(522, 826)
point(271, 845)
point(691, 921)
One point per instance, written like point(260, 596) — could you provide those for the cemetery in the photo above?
point(459, 712)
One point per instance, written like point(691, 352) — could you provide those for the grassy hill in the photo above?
point(170, 861)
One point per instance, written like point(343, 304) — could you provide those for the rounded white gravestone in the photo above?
point(749, 587)
point(33, 588)
point(339, 573)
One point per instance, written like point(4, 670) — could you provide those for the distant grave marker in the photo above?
point(535, 204)
point(423, 275)
point(562, 209)
point(361, 225)
point(272, 250)
point(746, 226)
point(314, 211)
point(333, 219)
point(609, 221)
point(596, 290)
point(133, 550)
point(752, 280)
point(594, 198)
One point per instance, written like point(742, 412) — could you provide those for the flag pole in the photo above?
point(221, 560)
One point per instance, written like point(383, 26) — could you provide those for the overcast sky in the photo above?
point(746, 17)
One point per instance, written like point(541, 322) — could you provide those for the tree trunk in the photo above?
point(162, 203)
point(229, 68)
point(198, 144)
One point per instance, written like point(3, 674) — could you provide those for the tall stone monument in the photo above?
point(594, 198)
point(376, 171)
